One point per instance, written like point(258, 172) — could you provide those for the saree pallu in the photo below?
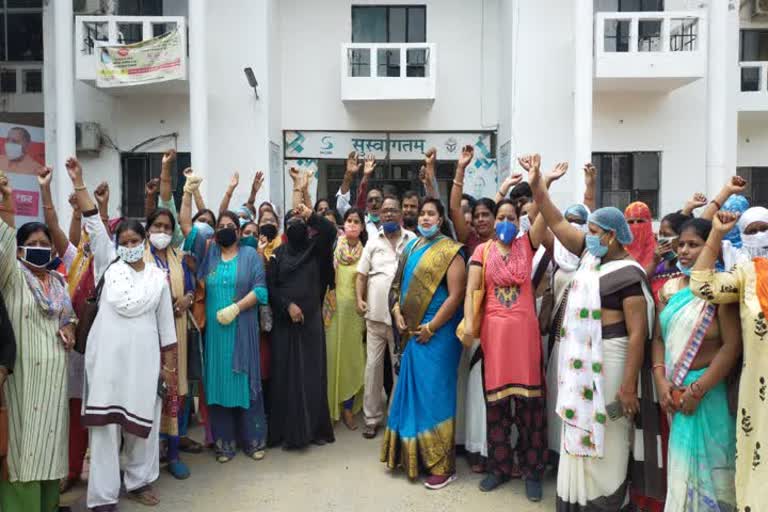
point(421, 423)
point(590, 484)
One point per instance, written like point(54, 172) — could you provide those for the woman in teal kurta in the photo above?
point(234, 281)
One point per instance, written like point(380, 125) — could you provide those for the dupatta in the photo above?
point(684, 322)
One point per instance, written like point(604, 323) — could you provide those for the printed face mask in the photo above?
point(130, 254)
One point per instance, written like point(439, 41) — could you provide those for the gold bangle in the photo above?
point(429, 331)
point(80, 188)
point(458, 183)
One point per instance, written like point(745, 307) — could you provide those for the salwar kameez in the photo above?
point(36, 391)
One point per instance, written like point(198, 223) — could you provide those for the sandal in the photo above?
point(369, 432)
point(144, 496)
point(223, 459)
point(188, 445)
point(257, 455)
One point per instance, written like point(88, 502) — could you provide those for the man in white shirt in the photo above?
point(375, 272)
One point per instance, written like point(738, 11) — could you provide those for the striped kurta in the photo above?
point(37, 390)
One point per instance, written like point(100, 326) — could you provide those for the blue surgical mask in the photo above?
point(506, 232)
point(249, 241)
point(525, 223)
point(685, 270)
point(390, 227)
point(429, 232)
point(595, 247)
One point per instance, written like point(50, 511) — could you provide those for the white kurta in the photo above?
point(122, 358)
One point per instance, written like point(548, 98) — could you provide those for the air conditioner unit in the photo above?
point(760, 8)
point(87, 137)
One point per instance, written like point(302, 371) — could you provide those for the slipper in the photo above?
point(144, 496)
point(188, 445)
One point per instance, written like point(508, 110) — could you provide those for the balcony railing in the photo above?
point(388, 71)
point(92, 32)
point(754, 87)
point(21, 86)
point(664, 45)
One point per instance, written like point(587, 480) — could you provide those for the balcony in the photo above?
point(388, 71)
point(753, 95)
point(93, 32)
point(649, 51)
point(21, 87)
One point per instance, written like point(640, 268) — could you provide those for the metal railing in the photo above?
point(93, 31)
point(388, 60)
point(648, 32)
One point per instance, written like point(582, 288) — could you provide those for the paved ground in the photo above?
point(344, 476)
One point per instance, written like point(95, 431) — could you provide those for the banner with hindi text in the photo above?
point(159, 59)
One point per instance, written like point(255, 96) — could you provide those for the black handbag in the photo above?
point(88, 316)
point(194, 350)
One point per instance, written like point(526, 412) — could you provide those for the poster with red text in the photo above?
point(22, 154)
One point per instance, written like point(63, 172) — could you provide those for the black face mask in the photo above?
point(297, 234)
point(226, 237)
point(269, 231)
point(410, 222)
point(38, 257)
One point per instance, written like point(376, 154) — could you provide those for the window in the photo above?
point(641, 5)
point(138, 169)
point(7, 80)
point(753, 48)
point(32, 80)
point(21, 30)
point(757, 184)
point(389, 24)
point(616, 37)
point(628, 177)
point(140, 8)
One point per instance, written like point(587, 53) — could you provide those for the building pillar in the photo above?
point(583, 21)
point(722, 87)
point(198, 88)
point(63, 55)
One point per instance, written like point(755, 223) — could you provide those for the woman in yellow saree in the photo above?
point(427, 293)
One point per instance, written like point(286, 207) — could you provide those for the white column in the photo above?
point(198, 88)
point(63, 54)
point(722, 76)
point(583, 21)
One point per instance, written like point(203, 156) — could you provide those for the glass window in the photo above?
point(649, 35)
point(140, 8)
point(12, 4)
point(417, 62)
point(137, 169)
point(754, 45)
point(360, 62)
point(159, 29)
point(25, 36)
point(757, 184)
point(388, 62)
point(683, 34)
point(32, 80)
point(616, 37)
point(641, 5)
point(628, 177)
point(389, 24)
point(750, 79)
point(129, 33)
point(7, 80)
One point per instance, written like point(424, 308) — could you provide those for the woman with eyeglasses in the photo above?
point(42, 318)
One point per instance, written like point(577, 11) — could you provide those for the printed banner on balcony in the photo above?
point(155, 60)
point(23, 154)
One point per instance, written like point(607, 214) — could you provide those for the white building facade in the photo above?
point(666, 97)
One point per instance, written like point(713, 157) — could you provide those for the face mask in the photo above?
point(525, 224)
point(297, 234)
point(160, 240)
point(249, 241)
point(667, 239)
point(38, 257)
point(506, 232)
point(390, 227)
point(685, 270)
point(226, 237)
point(269, 231)
point(243, 221)
point(755, 245)
point(13, 151)
point(130, 254)
point(374, 218)
point(352, 230)
point(594, 246)
point(202, 226)
point(429, 232)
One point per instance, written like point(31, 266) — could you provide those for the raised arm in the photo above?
point(697, 201)
point(735, 185)
point(326, 230)
point(76, 223)
point(590, 182)
point(258, 181)
point(101, 194)
point(8, 206)
point(233, 183)
point(342, 196)
point(150, 196)
point(510, 181)
point(60, 240)
point(552, 176)
point(571, 237)
point(716, 287)
point(191, 187)
point(457, 190)
point(428, 174)
point(166, 176)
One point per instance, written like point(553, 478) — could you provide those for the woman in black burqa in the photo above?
point(298, 391)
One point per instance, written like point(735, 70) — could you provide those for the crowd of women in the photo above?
point(631, 362)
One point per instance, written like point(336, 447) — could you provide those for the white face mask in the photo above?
point(160, 240)
point(130, 254)
point(755, 245)
point(13, 151)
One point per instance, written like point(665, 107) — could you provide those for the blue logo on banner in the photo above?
point(295, 146)
point(327, 145)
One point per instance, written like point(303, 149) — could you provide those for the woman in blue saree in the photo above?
point(695, 348)
point(427, 292)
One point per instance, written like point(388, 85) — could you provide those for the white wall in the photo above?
point(311, 34)
point(753, 142)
